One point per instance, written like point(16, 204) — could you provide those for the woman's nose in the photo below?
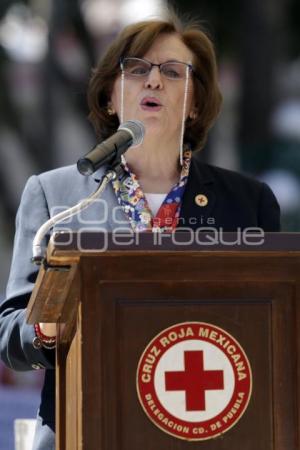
point(154, 79)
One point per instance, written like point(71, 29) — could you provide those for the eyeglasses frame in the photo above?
point(190, 66)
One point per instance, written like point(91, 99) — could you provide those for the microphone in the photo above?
point(129, 133)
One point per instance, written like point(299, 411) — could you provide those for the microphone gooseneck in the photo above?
point(107, 152)
point(38, 251)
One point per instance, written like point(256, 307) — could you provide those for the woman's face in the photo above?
point(165, 119)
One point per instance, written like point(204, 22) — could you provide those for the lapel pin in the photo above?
point(201, 200)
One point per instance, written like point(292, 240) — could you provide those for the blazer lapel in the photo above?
point(199, 198)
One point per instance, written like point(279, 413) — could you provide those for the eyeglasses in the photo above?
point(140, 68)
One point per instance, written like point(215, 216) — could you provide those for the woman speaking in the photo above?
point(162, 73)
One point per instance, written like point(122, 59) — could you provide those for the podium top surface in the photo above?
point(92, 242)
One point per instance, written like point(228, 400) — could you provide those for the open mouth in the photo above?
point(150, 103)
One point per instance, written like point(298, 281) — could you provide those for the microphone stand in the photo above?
point(38, 252)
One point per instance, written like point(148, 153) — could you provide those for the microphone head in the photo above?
point(136, 129)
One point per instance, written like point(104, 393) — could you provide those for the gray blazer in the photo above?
point(233, 200)
point(44, 196)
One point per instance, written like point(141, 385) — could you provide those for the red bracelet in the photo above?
point(48, 340)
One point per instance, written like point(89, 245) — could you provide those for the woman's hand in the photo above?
point(48, 329)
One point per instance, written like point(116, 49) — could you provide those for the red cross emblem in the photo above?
point(194, 380)
point(201, 200)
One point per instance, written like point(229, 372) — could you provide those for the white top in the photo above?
point(155, 201)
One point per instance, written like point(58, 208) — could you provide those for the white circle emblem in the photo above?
point(194, 381)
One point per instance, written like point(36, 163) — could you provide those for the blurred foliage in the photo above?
point(221, 18)
point(258, 36)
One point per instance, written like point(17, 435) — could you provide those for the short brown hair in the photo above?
point(136, 40)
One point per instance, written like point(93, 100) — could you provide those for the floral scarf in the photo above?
point(134, 203)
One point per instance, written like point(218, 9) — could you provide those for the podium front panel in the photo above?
point(126, 302)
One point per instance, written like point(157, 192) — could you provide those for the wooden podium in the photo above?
point(110, 305)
